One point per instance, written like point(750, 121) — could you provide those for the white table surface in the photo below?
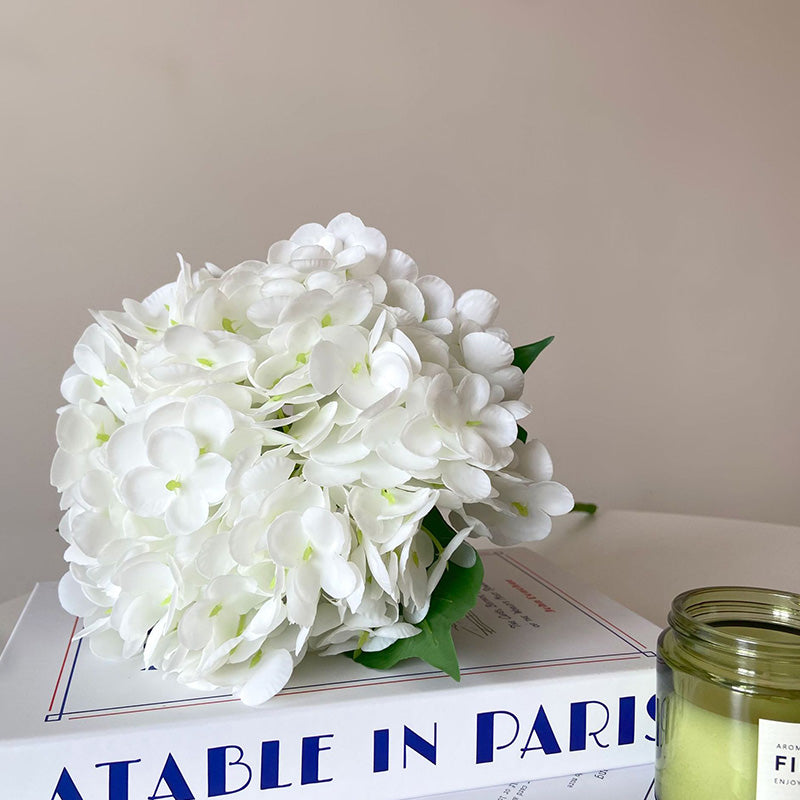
point(644, 559)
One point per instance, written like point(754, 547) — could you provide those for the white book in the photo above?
point(632, 783)
point(556, 679)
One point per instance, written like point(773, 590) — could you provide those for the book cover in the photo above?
point(556, 679)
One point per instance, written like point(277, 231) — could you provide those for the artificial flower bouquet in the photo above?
point(291, 456)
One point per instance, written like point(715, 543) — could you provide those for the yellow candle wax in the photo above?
point(706, 756)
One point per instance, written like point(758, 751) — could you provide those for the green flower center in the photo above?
point(522, 509)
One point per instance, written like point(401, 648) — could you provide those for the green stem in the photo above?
point(437, 544)
point(585, 508)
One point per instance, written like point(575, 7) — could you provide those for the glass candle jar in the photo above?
point(728, 714)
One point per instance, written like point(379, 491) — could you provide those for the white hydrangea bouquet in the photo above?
point(289, 457)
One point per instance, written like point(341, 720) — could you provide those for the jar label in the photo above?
point(778, 760)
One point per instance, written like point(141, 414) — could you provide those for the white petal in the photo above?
point(106, 644)
point(187, 512)
point(244, 543)
point(485, 353)
point(553, 498)
point(147, 576)
point(422, 436)
point(340, 453)
point(480, 453)
point(196, 627)
point(89, 362)
point(352, 231)
point(389, 634)
point(209, 419)
point(209, 476)
point(184, 340)
point(75, 432)
point(266, 312)
point(405, 295)
point(390, 368)
point(173, 450)
point(444, 557)
point(310, 258)
point(511, 529)
point(479, 306)
point(498, 426)
point(470, 483)
point(169, 414)
point(378, 569)
point(66, 469)
point(77, 386)
point(351, 304)
point(534, 460)
point(138, 618)
point(144, 491)
point(399, 266)
point(351, 257)
point(330, 475)
point(72, 598)
point(407, 346)
point(339, 578)
point(519, 409)
point(310, 233)
point(375, 472)
point(267, 618)
point(306, 306)
point(97, 489)
point(315, 426)
point(126, 449)
point(438, 296)
point(326, 368)
point(400, 457)
point(92, 532)
point(267, 473)
point(287, 540)
point(474, 392)
point(302, 595)
point(325, 531)
point(512, 381)
point(268, 678)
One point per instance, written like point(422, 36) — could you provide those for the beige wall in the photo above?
point(622, 174)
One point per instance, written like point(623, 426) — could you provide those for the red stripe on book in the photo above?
point(352, 686)
point(577, 602)
point(63, 664)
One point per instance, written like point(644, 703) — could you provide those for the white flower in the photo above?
point(525, 501)
point(247, 458)
point(164, 467)
point(313, 547)
point(101, 371)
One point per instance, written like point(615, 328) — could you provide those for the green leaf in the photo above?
point(522, 434)
point(585, 508)
point(525, 356)
point(454, 596)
